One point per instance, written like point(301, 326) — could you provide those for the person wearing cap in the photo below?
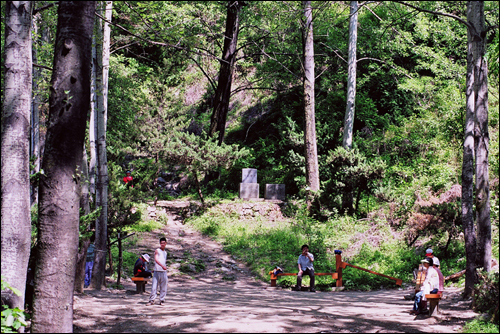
point(430, 253)
point(128, 178)
point(430, 285)
point(305, 263)
point(140, 267)
point(435, 264)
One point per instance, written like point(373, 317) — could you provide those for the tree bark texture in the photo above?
point(15, 180)
point(223, 93)
point(468, 168)
point(35, 113)
point(102, 68)
point(311, 151)
point(351, 77)
point(481, 137)
point(60, 187)
point(92, 122)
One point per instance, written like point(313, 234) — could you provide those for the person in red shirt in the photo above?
point(128, 179)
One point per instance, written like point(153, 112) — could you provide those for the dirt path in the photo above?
point(225, 297)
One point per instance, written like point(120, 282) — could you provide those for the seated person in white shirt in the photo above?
point(430, 285)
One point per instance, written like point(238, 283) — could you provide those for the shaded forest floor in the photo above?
point(226, 297)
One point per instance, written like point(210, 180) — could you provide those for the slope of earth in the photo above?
point(226, 297)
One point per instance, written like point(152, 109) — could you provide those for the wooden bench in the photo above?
point(140, 284)
point(434, 299)
point(275, 277)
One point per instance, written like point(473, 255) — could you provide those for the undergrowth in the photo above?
point(366, 243)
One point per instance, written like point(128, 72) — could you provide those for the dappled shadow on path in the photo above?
point(224, 307)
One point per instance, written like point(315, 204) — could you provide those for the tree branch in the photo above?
point(436, 13)
point(42, 66)
point(38, 10)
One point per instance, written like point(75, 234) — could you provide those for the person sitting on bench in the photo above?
point(430, 286)
point(305, 264)
point(140, 269)
point(435, 264)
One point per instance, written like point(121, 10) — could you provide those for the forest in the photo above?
point(380, 118)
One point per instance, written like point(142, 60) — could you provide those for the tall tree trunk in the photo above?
point(60, 187)
point(98, 272)
point(347, 196)
point(16, 219)
point(481, 138)
point(35, 114)
point(93, 122)
point(351, 78)
point(223, 93)
point(84, 243)
point(311, 151)
point(468, 167)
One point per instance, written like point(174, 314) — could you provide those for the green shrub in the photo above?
point(480, 326)
point(128, 261)
point(486, 295)
point(12, 318)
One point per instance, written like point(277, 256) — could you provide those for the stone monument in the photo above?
point(249, 188)
point(275, 191)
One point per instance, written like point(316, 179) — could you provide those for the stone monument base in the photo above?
point(249, 190)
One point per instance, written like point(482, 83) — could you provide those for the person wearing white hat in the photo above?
point(430, 285)
point(140, 267)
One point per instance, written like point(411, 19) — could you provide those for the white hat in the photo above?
point(145, 257)
point(428, 251)
point(435, 261)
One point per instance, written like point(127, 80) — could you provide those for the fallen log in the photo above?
point(455, 275)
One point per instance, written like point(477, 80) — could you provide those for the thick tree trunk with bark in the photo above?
point(311, 151)
point(60, 187)
point(16, 220)
point(223, 93)
point(98, 272)
point(481, 138)
point(468, 169)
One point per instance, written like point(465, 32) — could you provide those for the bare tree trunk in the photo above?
point(351, 77)
point(35, 116)
point(223, 93)
point(481, 139)
point(98, 273)
point(92, 122)
point(311, 151)
point(60, 187)
point(16, 218)
point(84, 243)
point(468, 168)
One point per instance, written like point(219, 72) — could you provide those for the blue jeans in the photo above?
point(88, 272)
point(418, 298)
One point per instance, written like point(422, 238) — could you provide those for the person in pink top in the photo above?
point(436, 264)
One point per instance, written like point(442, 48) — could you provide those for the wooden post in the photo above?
point(338, 269)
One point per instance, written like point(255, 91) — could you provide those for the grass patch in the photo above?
point(263, 246)
point(480, 326)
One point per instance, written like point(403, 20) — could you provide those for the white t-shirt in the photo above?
point(162, 257)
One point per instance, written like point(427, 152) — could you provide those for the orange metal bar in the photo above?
point(398, 281)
